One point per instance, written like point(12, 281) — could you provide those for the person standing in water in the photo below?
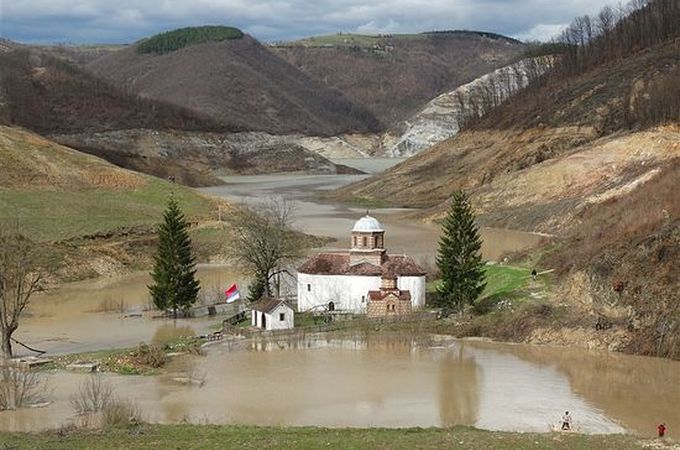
point(566, 421)
point(661, 429)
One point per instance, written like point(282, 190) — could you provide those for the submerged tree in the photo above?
point(265, 243)
point(22, 272)
point(459, 257)
point(174, 274)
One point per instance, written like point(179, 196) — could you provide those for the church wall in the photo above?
point(343, 290)
point(347, 291)
point(417, 287)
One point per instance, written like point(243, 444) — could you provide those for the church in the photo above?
point(346, 281)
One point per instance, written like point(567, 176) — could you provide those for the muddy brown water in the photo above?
point(107, 313)
point(379, 381)
point(344, 382)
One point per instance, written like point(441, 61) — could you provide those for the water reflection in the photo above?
point(458, 387)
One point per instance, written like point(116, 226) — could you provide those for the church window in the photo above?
point(355, 241)
point(365, 242)
point(282, 317)
point(309, 288)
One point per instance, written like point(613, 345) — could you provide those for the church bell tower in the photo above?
point(367, 242)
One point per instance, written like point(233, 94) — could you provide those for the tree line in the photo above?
point(176, 39)
point(615, 33)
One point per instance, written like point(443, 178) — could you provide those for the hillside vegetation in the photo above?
point(238, 83)
point(49, 95)
point(183, 37)
point(56, 193)
point(395, 75)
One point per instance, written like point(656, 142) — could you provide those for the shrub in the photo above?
point(121, 413)
point(150, 355)
point(93, 395)
point(19, 387)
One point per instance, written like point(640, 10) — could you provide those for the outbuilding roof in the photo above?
point(267, 305)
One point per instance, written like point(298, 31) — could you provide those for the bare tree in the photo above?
point(21, 275)
point(266, 242)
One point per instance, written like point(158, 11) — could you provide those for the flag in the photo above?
point(232, 293)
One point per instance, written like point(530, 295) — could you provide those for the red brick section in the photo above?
point(339, 264)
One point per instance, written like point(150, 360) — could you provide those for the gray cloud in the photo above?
point(106, 21)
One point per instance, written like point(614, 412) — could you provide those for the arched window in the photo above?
point(365, 242)
point(354, 241)
point(331, 306)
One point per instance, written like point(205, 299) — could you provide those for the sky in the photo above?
point(124, 21)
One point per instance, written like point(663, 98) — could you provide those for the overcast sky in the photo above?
point(121, 21)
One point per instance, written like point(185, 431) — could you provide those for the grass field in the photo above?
point(58, 215)
point(187, 437)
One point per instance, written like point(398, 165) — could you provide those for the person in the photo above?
point(661, 429)
point(566, 421)
point(533, 274)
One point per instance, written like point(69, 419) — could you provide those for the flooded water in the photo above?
point(394, 382)
point(412, 237)
point(106, 313)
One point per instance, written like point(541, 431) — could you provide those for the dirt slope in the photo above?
point(238, 83)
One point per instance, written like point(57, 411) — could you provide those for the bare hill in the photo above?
point(395, 75)
point(238, 83)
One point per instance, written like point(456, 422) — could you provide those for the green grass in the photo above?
point(60, 215)
point(500, 280)
point(176, 39)
point(188, 437)
point(504, 280)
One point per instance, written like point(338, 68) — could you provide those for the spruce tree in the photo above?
point(174, 274)
point(459, 257)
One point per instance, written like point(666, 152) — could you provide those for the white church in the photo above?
point(342, 281)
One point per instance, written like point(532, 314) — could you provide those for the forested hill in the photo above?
point(49, 95)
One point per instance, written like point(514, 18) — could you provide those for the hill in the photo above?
point(58, 193)
point(552, 121)
point(395, 75)
point(588, 154)
point(72, 107)
point(237, 82)
point(96, 217)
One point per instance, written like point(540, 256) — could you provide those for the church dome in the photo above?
point(367, 224)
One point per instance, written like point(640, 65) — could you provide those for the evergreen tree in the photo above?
point(459, 258)
point(257, 289)
point(174, 274)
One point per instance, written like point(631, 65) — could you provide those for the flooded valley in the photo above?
point(340, 381)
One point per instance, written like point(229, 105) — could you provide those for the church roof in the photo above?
point(339, 264)
point(368, 224)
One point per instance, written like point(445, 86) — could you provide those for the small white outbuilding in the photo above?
point(272, 314)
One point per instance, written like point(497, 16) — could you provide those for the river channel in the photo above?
point(344, 381)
